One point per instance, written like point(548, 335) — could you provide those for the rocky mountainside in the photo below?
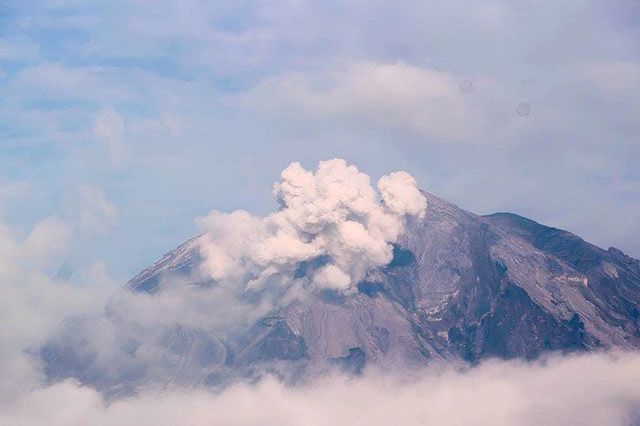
point(460, 288)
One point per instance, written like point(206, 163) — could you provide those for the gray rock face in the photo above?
point(460, 288)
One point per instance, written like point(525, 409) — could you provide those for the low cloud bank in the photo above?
point(600, 389)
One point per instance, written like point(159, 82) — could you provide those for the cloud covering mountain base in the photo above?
point(597, 389)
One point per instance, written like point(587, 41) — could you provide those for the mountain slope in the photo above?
point(461, 287)
point(478, 286)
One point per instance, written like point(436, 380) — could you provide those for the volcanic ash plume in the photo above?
point(332, 228)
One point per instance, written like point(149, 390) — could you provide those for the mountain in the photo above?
point(460, 288)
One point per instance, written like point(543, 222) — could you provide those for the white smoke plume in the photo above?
point(331, 218)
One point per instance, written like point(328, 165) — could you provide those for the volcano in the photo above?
point(460, 288)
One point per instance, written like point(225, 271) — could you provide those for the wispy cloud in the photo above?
point(423, 102)
point(98, 214)
point(109, 127)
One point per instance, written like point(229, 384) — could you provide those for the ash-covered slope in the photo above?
point(460, 287)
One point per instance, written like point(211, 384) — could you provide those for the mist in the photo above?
point(597, 389)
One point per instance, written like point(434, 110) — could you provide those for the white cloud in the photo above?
point(332, 214)
point(98, 214)
point(32, 303)
point(587, 390)
point(400, 194)
point(109, 128)
point(422, 101)
point(46, 241)
point(330, 276)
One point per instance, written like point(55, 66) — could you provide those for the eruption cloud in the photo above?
point(331, 222)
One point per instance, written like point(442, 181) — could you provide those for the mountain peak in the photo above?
point(460, 288)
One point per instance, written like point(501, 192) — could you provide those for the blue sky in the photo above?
point(125, 120)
